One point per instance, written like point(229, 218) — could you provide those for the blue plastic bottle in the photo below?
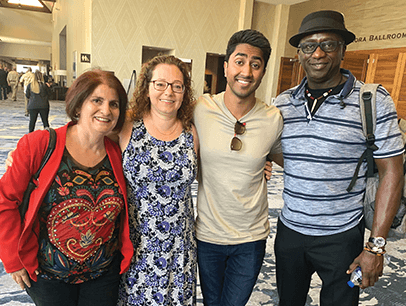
point(356, 278)
point(356, 275)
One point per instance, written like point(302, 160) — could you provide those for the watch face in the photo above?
point(379, 241)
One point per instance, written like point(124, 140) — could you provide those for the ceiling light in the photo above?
point(20, 3)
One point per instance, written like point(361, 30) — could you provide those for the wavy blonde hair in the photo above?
point(35, 83)
point(141, 104)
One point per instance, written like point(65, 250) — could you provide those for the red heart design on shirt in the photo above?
point(78, 227)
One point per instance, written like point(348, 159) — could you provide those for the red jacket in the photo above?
point(19, 242)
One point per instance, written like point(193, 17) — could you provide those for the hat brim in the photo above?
point(348, 36)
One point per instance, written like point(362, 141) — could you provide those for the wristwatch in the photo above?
point(378, 242)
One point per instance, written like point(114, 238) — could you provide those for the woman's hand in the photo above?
point(9, 160)
point(21, 277)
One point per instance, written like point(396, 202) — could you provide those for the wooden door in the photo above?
point(290, 74)
point(399, 90)
point(382, 70)
point(357, 63)
point(387, 67)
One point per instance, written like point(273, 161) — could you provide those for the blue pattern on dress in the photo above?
point(159, 175)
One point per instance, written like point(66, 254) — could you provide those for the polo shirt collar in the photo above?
point(299, 92)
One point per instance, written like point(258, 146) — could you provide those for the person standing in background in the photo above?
point(8, 85)
point(38, 103)
point(26, 79)
point(12, 80)
point(3, 83)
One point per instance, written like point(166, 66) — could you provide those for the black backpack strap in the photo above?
point(32, 183)
point(48, 152)
point(402, 127)
point(368, 120)
point(404, 161)
point(370, 130)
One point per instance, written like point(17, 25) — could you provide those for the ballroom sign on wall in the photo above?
point(387, 37)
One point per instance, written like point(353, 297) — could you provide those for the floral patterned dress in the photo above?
point(159, 175)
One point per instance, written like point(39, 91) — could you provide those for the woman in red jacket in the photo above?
point(74, 241)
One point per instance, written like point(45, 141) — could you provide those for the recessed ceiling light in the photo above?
point(35, 3)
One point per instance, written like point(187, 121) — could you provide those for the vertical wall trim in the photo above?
point(278, 49)
point(246, 11)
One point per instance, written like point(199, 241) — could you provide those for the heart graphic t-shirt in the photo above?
point(79, 222)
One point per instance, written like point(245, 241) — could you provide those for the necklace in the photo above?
point(323, 96)
point(167, 134)
point(315, 100)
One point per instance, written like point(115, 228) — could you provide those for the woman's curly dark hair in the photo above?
point(141, 104)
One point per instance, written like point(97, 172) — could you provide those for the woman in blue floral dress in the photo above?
point(160, 145)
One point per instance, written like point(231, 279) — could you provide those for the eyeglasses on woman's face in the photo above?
point(177, 86)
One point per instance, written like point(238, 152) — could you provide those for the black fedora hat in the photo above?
point(322, 21)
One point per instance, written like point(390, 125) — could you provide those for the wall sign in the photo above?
point(75, 63)
point(391, 36)
point(84, 58)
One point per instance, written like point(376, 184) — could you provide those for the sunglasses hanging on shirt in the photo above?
point(239, 129)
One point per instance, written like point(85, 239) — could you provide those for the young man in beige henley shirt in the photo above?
point(236, 134)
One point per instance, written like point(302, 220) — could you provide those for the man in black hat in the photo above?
point(321, 226)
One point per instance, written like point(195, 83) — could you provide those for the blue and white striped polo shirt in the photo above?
point(321, 153)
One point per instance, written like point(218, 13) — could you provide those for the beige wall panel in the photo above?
point(25, 51)
point(263, 21)
point(246, 12)
point(76, 16)
point(190, 28)
point(25, 25)
point(79, 34)
point(59, 20)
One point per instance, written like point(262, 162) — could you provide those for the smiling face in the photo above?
point(322, 68)
point(166, 102)
point(100, 111)
point(244, 71)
